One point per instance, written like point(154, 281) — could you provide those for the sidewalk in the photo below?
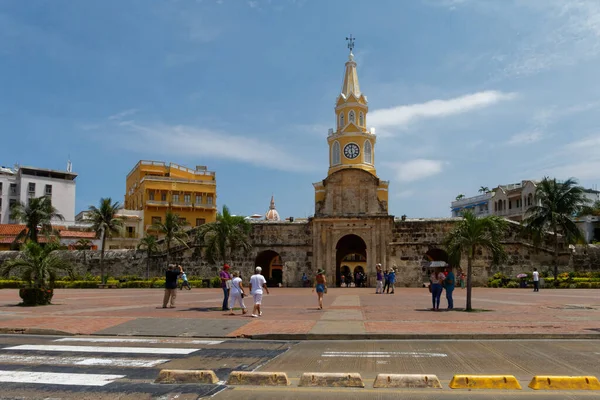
point(291, 313)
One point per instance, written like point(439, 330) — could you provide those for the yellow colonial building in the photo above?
point(156, 187)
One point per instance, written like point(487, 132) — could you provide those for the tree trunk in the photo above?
point(147, 265)
point(469, 280)
point(102, 278)
point(168, 252)
point(555, 261)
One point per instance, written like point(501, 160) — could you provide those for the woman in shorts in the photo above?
point(320, 286)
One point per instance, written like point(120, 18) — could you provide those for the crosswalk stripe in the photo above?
point(382, 354)
point(57, 378)
point(84, 361)
point(139, 340)
point(100, 349)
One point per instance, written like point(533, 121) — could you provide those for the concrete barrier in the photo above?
point(484, 382)
point(564, 383)
point(331, 379)
point(186, 376)
point(258, 378)
point(407, 381)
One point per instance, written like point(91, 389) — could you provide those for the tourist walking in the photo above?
point(225, 285)
point(320, 286)
point(184, 280)
point(257, 283)
point(171, 276)
point(463, 280)
point(436, 279)
point(392, 280)
point(379, 289)
point(237, 294)
point(449, 286)
point(536, 280)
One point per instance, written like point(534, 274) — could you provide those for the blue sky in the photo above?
point(462, 93)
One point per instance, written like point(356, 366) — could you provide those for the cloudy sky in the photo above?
point(462, 93)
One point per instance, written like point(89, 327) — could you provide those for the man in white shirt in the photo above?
point(536, 280)
point(257, 283)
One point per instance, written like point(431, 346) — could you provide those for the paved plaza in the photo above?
point(291, 313)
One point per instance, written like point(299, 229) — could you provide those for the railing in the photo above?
point(469, 200)
point(177, 180)
point(157, 203)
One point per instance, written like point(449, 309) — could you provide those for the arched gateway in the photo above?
point(272, 266)
point(351, 253)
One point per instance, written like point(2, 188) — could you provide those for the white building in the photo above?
point(22, 183)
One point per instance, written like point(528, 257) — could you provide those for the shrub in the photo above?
point(584, 285)
point(136, 284)
point(215, 282)
point(512, 285)
point(11, 284)
point(495, 283)
point(35, 296)
point(499, 276)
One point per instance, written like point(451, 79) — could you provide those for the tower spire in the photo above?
point(350, 84)
point(272, 205)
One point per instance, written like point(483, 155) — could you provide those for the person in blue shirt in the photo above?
point(392, 280)
point(449, 286)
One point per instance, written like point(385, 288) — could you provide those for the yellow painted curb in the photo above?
point(258, 378)
point(484, 382)
point(407, 381)
point(564, 383)
point(331, 379)
point(186, 376)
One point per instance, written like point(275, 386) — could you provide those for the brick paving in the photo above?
point(294, 311)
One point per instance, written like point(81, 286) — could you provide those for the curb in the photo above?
point(34, 331)
point(484, 382)
point(258, 378)
point(327, 379)
point(407, 381)
point(564, 383)
point(186, 376)
point(385, 336)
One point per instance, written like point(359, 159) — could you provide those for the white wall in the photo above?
point(63, 193)
point(4, 195)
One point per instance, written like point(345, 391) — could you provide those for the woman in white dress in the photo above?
point(236, 294)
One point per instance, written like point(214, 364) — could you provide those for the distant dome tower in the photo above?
point(272, 214)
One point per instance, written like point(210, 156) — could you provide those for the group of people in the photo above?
point(386, 279)
point(438, 282)
point(234, 291)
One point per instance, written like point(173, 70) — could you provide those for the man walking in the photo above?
point(257, 283)
point(536, 280)
point(225, 285)
point(170, 286)
point(379, 289)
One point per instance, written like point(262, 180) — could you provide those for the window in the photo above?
point(200, 221)
point(156, 220)
point(351, 118)
point(130, 231)
point(31, 188)
point(0, 188)
point(175, 198)
point(163, 197)
point(342, 124)
point(368, 155)
point(187, 199)
point(209, 200)
point(182, 221)
point(361, 119)
point(48, 190)
point(335, 153)
point(151, 195)
point(13, 189)
point(12, 203)
point(198, 199)
point(0, 204)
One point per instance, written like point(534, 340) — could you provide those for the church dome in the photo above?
point(272, 214)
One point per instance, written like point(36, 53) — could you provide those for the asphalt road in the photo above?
point(52, 367)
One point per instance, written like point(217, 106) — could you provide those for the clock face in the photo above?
point(351, 151)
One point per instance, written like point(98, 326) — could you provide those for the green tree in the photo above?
point(150, 244)
point(460, 196)
point(555, 204)
point(105, 223)
point(594, 209)
point(83, 244)
point(471, 234)
point(38, 265)
point(224, 237)
point(36, 215)
point(484, 189)
point(172, 230)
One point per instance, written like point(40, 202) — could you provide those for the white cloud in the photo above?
point(525, 138)
point(182, 140)
point(415, 170)
point(404, 194)
point(579, 159)
point(403, 115)
point(253, 4)
point(119, 116)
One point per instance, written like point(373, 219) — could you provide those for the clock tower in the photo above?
point(351, 173)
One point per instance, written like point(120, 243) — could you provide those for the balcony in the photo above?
point(157, 203)
point(469, 200)
point(184, 204)
point(205, 205)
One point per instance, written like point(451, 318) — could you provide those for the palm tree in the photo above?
point(37, 214)
point(172, 229)
point(83, 244)
point(38, 265)
point(484, 189)
point(460, 196)
point(150, 244)
point(105, 223)
point(471, 234)
point(224, 237)
point(556, 203)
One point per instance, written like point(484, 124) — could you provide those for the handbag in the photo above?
point(325, 291)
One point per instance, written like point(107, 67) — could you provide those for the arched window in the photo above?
point(335, 153)
point(368, 153)
point(351, 118)
point(361, 119)
point(342, 124)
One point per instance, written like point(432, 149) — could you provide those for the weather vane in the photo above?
point(350, 42)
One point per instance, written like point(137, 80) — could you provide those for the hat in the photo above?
point(258, 269)
point(321, 271)
point(226, 266)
